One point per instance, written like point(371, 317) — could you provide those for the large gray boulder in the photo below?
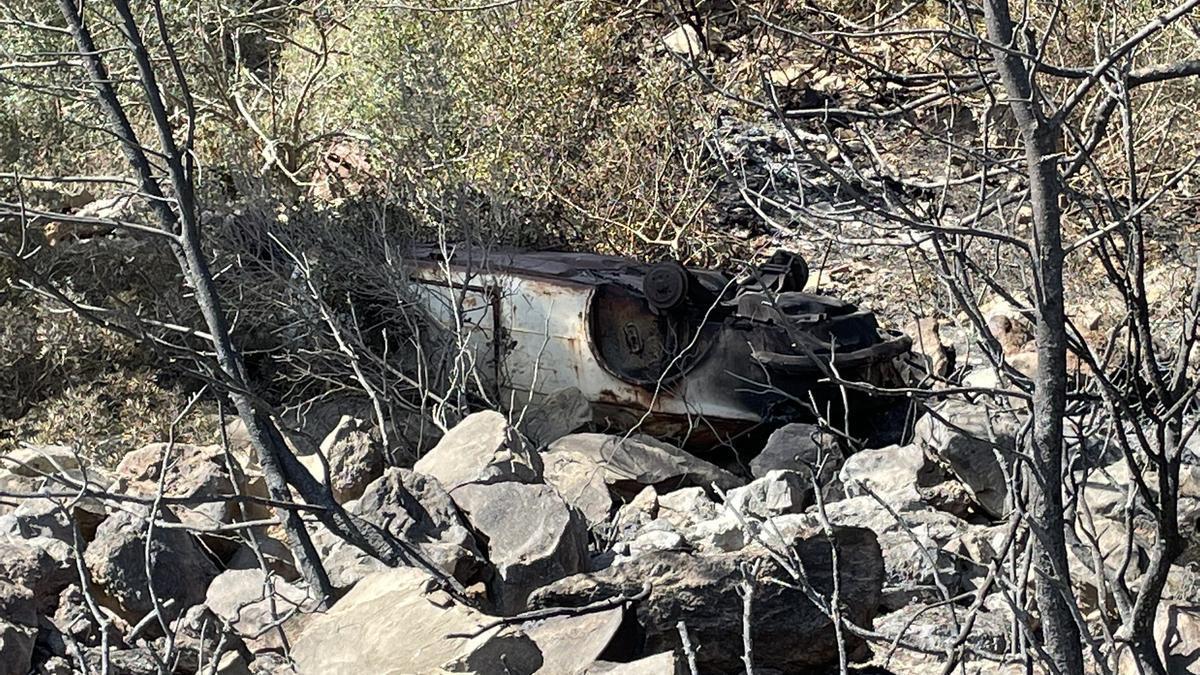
point(935, 627)
point(415, 509)
point(976, 444)
point(199, 473)
point(799, 447)
point(483, 448)
point(36, 461)
point(913, 541)
point(580, 482)
point(790, 634)
point(396, 622)
point(180, 570)
point(355, 459)
point(532, 536)
point(774, 494)
point(887, 472)
point(41, 565)
point(255, 604)
point(637, 461)
point(12, 484)
point(18, 629)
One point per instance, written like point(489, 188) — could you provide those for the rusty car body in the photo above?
point(697, 355)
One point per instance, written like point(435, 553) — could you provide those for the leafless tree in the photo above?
point(164, 176)
point(1044, 147)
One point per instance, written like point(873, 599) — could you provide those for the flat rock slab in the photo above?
point(572, 644)
point(36, 461)
point(396, 622)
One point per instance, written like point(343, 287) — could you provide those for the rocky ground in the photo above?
point(554, 551)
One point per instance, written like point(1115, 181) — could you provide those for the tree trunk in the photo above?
point(280, 466)
point(186, 248)
point(1060, 633)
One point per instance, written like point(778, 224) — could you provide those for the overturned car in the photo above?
point(696, 355)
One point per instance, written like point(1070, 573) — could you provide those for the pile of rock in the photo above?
point(594, 554)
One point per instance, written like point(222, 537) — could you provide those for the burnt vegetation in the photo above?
point(868, 326)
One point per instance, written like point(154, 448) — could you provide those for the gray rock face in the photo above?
point(913, 569)
point(40, 565)
point(37, 460)
point(252, 603)
point(532, 537)
point(195, 472)
point(11, 483)
point(571, 644)
point(416, 509)
point(702, 590)
point(483, 448)
point(776, 493)
point(967, 445)
point(18, 629)
point(635, 462)
point(180, 569)
point(563, 412)
point(801, 448)
point(932, 628)
point(885, 471)
point(355, 459)
point(580, 482)
point(395, 622)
